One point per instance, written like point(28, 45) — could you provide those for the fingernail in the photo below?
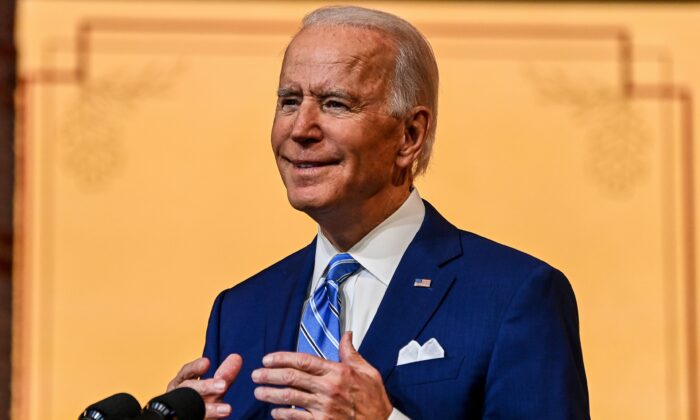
point(255, 375)
point(223, 409)
point(219, 385)
point(267, 359)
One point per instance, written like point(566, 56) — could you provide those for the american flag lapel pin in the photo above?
point(422, 283)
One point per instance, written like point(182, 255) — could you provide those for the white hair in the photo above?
point(415, 80)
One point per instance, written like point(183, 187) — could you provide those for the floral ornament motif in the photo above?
point(91, 143)
point(618, 137)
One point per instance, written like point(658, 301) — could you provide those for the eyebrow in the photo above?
point(335, 93)
point(287, 92)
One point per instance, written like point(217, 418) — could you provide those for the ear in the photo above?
point(418, 123)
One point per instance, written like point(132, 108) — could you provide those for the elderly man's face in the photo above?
point(334, 142)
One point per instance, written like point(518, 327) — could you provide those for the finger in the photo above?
point(353, 358)
point(284, 396)
point(228, 370)
point(217, 410)
point(286, 376)
point(206, 387)
point(191, 370)
point(347, 351)
point(301, 361)
point(291, 414)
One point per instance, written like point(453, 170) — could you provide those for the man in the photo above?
point(354, 124)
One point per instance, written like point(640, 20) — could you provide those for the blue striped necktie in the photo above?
point(319, 332)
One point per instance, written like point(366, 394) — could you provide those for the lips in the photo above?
point(310, 164)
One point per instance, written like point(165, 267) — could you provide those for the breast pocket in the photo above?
point(426, 371)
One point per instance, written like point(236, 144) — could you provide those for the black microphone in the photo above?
point(178, 404)
point(117, 407)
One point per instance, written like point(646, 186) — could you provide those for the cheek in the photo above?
point(278, 133)
point(379, 155)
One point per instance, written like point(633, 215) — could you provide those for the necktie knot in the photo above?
point(340, 268)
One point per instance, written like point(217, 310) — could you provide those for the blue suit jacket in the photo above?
point(507, 321)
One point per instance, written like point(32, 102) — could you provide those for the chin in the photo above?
point(303, 202)
point(311, 204)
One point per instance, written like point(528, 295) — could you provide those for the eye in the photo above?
point(336, 105)
point(288, 103)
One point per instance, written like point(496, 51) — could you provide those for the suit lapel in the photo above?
point(405, 309)
point(283, 310)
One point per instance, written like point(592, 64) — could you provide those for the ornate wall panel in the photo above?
point(147, 183)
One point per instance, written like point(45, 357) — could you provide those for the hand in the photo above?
point(212, 390)
point(349, 389)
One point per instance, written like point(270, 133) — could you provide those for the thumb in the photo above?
point(347, 351)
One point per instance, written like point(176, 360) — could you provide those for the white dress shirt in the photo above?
point(379, 253)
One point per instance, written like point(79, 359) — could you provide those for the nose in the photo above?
point(306, 127)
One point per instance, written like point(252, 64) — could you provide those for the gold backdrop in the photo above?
point(146, 183)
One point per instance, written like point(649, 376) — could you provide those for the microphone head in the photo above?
point(180, 403)
point(117, 407)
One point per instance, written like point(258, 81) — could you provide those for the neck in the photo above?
point(346, 227)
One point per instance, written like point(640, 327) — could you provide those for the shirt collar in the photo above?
point(380, 251)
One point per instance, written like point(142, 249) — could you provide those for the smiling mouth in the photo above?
point(310, 164)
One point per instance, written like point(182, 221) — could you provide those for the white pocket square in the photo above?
point(414, 352)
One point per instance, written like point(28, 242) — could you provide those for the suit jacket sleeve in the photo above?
point(211, 345)
point(536, 368)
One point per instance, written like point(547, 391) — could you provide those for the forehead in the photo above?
point(332, 53)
